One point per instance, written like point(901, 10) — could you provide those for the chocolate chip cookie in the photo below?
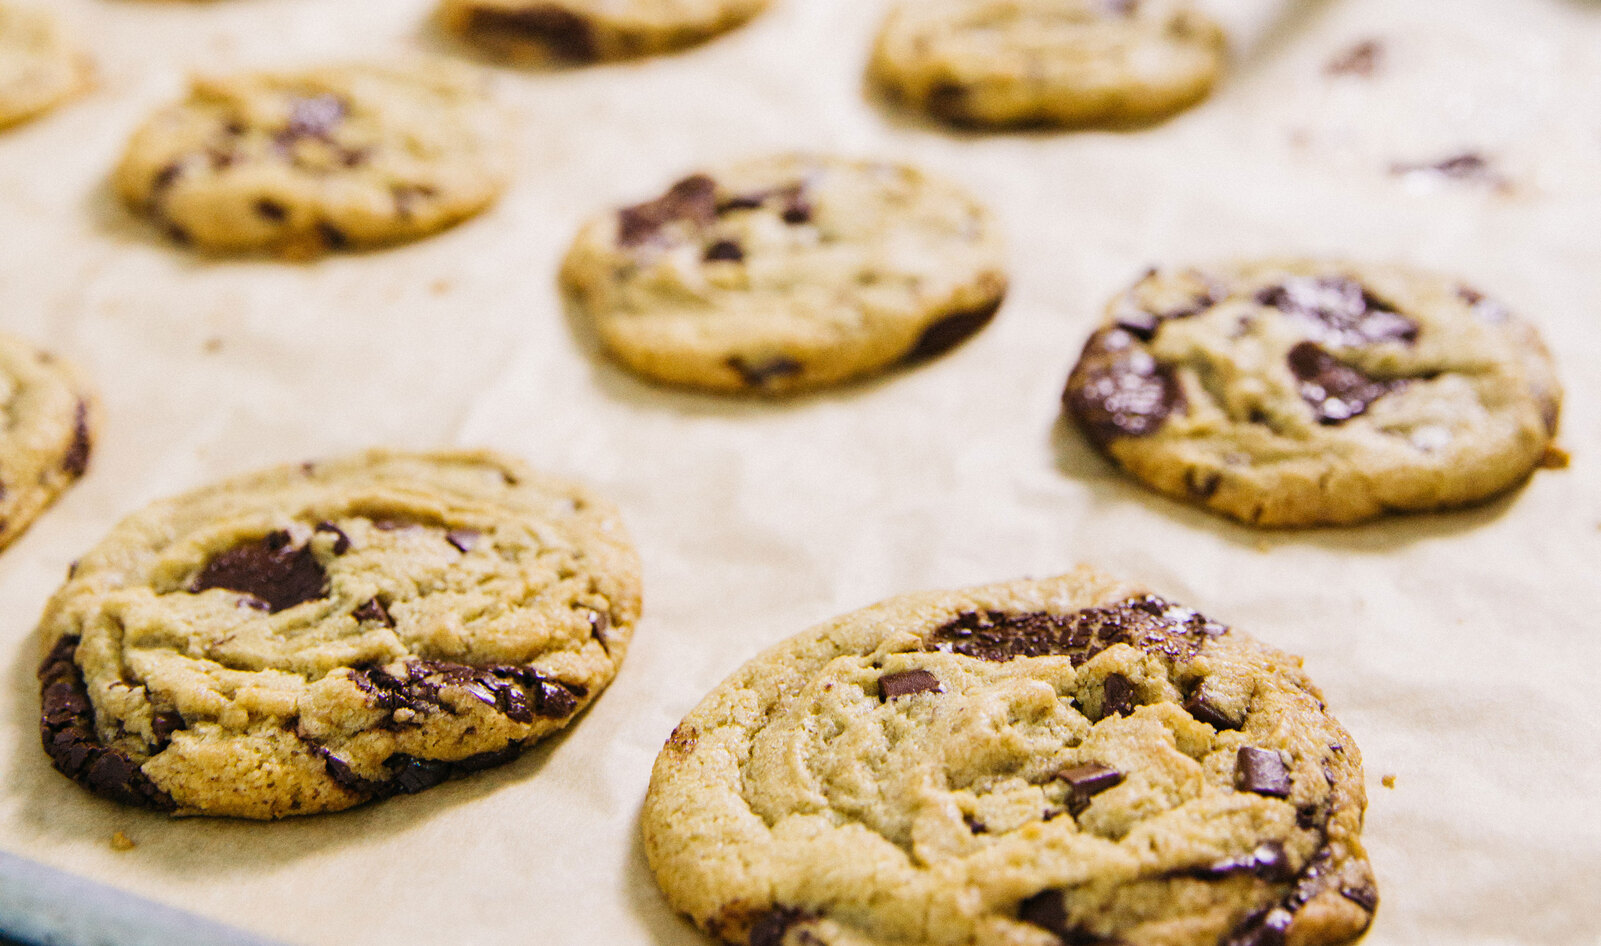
point(786, 273)
point(39, 67)
point(48, 419)
point(1308, 393)
point(1001, 63)
point(344, 157)
point(577, 31)
point(310, 637)
point(1038, 763)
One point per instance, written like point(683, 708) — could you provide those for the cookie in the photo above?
point(39, 68)
point(310, 637)
point(1009, 63)
point(1305, 393)
point(48, 430)
point(345, 157)
point(785, 273)
point(577, 31)
point(1038, 763)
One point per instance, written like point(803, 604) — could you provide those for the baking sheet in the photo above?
point(1459, 649)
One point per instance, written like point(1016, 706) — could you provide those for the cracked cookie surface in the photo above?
point(1035, 763)
point(48, 421)
point(577, 31)
point(39, 67)
point(1301, 393)
point(345, 157)
point(788, 273)
point(309, 637)
point(1002, 63)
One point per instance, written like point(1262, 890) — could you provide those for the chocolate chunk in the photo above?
point(1048, 910)
point(1264, 928)
point(1150, 623)
point(314, 117)
point(693, 199)
point(1208, 712)
point(67, 730)
point(465, 540)
point(1261, 771)
point(407, 774)
point(907, 682)
point(1117, 696)
point(270, 570)
point(974, 825)
point(1268, 861)
point(759, 374)
point(331, 236)
point(271, 210)
point(373, 610)
point(413, 775)
point(771, 926)
point(163, 723)
point(1118, 389)
point(1339, 311)
point(341, 541)
point(1364, 896)
point(1363, 59)
point(565, 34)
point(798, 211)
point(76, 461)
point(1336, 391)
point(1086, 781)
point(951, 331)
point(947, 101)
point(520, 693)
point(725, 251)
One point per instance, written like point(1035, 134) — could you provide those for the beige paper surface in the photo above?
point(1461, 650)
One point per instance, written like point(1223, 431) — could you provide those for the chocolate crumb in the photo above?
point(1261, 771)
point(906, 683)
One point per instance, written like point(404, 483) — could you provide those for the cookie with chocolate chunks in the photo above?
point(788, 273)
point(40, 67)
point(1303, 393)
point(299, 164)
point(50, 421)
point(948, 768)
point(307, 638)
point(580, 31)
point(1010, 63)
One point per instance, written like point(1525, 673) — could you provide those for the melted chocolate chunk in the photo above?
point(1207, 712)
point(1268, 861)
point(1086, 781)
point(519, 693)
point(76, 462)
point(1117, 696)
point(313, 117)
point(341, 541)
point(270, 570)
point(726, 251)
point(464, 540)
point(951, 331)
point(770, 927)
point(1263, 928)
point(331, 236)
point(163, 723)
point(1364, 896)
point(1150, 623)
point(1336, 391)
point(1261, 771)
point(373, 610)
point(693, 199)
point(1118, 389)
point(67, 729)
point(1048, 910)
point(1339, 311)
point(564, 33)
point(1363, 59)
point(760, 374)
point(408, 775)
point(907, 682)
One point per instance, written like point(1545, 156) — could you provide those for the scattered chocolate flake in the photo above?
point(373, 610)
point(67, 729)
point(465, 540)
point(1261, 771)
point(76, 461)
point(906, 683)
point(1117, 696)
point(270, 570)
point(1203, 709)
point(1468, 166)
point(519, 693)
point(313, 117)
point(269, 209)
point(771, 926)
point(1086, 781)
point(1150, 623)
point(332, 237)
point(1339, 311)
point(565, 34)
point(1362, 59)
point(693, 199)
point(761, 373)
point(1268, 861)
point(1048, 910)
point(951, 331)
point(1118, 389)
point(341, 541)
point(1336, 391)
point(727, 251)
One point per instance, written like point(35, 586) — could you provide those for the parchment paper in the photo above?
point(1460, 649)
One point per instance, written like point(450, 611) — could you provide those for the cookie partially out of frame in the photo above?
point(343, 157)
point(39, 67)
point(592, 30)
point(1004, 63)
point(1305, 393)
point(787, 273)
point(48, 419)
point(310, 637)
point(1038, 763)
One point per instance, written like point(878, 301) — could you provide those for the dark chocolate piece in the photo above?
point(1149, 623)
point(726, 251)
point(692, 199)
point(373, 610)
point(771, 926)
point(163, 723)
point(341, 541)
point(565, 34)
point(408, 774)
point(1207, 712)
point(1261, 771)
point(1117, 696)
point(76, 462)
point(271, 570)
point(1118, 389)
point(1144, 323)
point(465, 540)
point(1268, 861)
point(1048, 910)
point(67, 729)
point(759, 374)
point(1364, 896)
point(951, 331)
point(1086, 781)
point(1363, 59)
point(1339, 311)
point(799, 210)
point(268, 209)
point(332, 237)
point(907, 682)
point(947, 101)
point(1336, 391)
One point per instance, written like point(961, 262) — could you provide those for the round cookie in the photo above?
point(39, 68)
point(1038, 763)
point(337, 158)
point(592, 30)
point(48, 430)
point(1310, 393)
point(1008, 63)
point(309, 637)
point(787, 273)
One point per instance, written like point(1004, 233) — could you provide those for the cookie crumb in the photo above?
point(1387, 781)
point(211, 345)
point(121, 842)
point(1264, 546)
point(441, 286)
point(1555, 458)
